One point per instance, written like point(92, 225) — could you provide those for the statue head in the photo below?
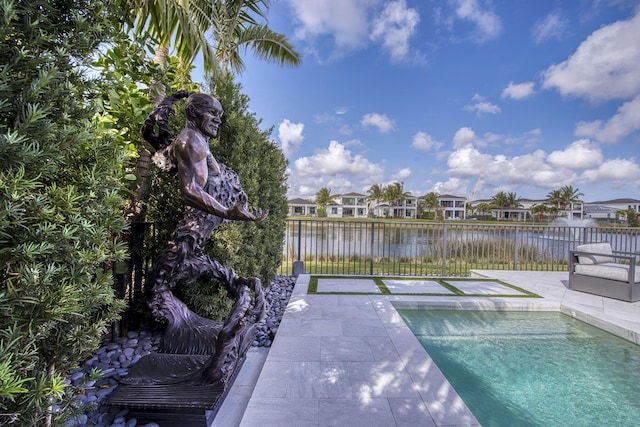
point(204, 112)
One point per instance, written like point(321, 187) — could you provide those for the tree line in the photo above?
point(558, 201)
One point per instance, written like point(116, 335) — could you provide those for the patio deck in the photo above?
point(349, 360)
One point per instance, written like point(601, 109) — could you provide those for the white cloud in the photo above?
point(481, 107)
point(620, 171)
point(488, 24)
point(518, 91)
point(334, 167)
point(605, 65)
point(527, 169)
point(553, 26)
point(425, 142)
point(347, 21)
point(401, 174)
point(467, 161)
point(463, 137)
point(579, 154)
point(394, 27)
point(336, 160)
point(380, 121)
point(455, 186)
point(623, 123)
point(290, 135)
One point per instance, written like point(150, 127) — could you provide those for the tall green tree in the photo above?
point(632, 217)
point(61, 170)
point(324, 198)
point(430, 202)
point(570, 196)
point(539, 210)
point(395, 194)
point(376, 194)
point(564, 198)
point(500, 201)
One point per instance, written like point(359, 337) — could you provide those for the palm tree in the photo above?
point(500, 201)
point(483, 208)
point(324, 198)
point(376, 194)
point(539, 210)
point(570, 196)
point(234, 27)
point(564, 198)
point(429, 202)
point(394, 194)
point(513, 201)
point(234, 24)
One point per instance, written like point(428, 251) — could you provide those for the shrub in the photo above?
point(60, 201)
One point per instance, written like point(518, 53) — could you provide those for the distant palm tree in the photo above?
point(483, 208)
point(395, 194)
point(564, 198)
point(324, 198)
point(429, 202)
point(376, 194)
point(513, 201)
point(570, 196)
point(539, 210)
point(500, 201)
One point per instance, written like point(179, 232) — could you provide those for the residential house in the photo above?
point(607, 209)
point(302, 207)
point(454, 207)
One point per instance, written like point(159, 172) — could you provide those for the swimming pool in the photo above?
point(532, 368)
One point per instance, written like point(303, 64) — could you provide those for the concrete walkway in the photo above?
point(350, 360)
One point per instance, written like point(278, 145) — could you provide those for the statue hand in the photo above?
point(239, 212)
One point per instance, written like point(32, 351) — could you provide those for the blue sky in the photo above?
point(522, 96)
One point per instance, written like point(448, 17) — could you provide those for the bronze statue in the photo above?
point(212, 195)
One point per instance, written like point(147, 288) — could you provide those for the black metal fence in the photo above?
point(390, 248)
point(439, 249)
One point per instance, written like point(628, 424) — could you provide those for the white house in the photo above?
point(607, 209)
point(454, 207)
point(302, 207)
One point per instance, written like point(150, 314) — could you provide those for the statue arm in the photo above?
point(194, 160)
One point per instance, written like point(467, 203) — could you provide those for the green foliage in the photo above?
point(632, 218)
point(252, 249)
point(60, 200)
point(207, 298)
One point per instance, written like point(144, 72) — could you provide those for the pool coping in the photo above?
point(346, 335)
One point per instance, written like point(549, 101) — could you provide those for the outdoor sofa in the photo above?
point(596, 269)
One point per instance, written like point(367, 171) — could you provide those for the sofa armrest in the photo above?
point(618, 256)
point(629, 257)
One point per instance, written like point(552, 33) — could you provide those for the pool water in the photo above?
point(532, 368)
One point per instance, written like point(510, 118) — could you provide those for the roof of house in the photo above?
point(351, 195)
point(299, 201)
point(449, 196)
point(599, 208)
point(615, 201)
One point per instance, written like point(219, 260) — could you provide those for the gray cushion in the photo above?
point(608, 270)
point(599, 248)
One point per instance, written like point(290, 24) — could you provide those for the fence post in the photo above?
point(298, 265)
point(515, 250)
point(371, 252)
point(444, 250)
